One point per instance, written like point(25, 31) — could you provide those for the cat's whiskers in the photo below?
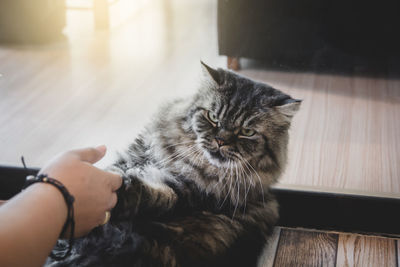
point(248, 173)
point(194, 155)
point(202, 157)
point(230, 182)
point(230, 177)
point(247, 164)
point(246, 191)
point(188, 155)
point(176, 146)
point(238, 189)
point(181, 143)
point(195, 159)
point(220, 179)
point(251, 182)
point(177, 154)
point(241, 179)
point(173, 154)
point(231, 162)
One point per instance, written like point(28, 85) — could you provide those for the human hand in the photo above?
point(93, 189)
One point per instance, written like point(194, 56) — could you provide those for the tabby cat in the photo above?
point(196, 181)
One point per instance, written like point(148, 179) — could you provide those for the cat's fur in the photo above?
point(197, 186)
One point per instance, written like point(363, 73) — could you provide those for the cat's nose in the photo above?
point(223, 137)
point(220, 141)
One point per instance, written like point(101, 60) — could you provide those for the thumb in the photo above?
point(91, 155)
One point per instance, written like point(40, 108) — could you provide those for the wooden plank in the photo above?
point(365, 251)
point(304, 248)
point(268, 255)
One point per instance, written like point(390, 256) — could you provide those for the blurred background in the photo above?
point(87, 72)
point(94, 72)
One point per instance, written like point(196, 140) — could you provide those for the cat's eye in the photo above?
point(211, 116)
point(247, 132)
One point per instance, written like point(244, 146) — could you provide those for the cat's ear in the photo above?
point(215, 75)
point(288, 106)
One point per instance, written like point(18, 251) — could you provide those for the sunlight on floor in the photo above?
point(81, 14)
point(102, 86)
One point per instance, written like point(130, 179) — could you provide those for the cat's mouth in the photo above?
point(218, 155)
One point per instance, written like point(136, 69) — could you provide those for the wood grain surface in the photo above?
point(304, 248)
point(295, 247)
point(366, 251)
point(346, 133)
point(102, 87)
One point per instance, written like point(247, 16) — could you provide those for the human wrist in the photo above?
point(54, 199)
point(69, 224)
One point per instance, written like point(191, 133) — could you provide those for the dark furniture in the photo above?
point(298, 208)
point(310, 33)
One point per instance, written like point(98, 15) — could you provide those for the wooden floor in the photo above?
point(305, 248)
point(98, 86)
point(346, 134)
point(102, 87)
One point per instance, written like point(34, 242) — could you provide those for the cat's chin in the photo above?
point(218, 156)
point(217, 159)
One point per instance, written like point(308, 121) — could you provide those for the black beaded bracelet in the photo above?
point(69, 199)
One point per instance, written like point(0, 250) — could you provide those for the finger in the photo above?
point(91, 155)
point(113, 201)
point(115, 181)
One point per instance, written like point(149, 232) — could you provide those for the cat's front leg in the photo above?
point(145, 193)
point(212, 239)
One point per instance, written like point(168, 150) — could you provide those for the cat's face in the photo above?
point(239, 120)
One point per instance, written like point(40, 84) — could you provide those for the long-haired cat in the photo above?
point(196, 181)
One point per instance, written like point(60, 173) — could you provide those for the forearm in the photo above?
point(30, 225)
